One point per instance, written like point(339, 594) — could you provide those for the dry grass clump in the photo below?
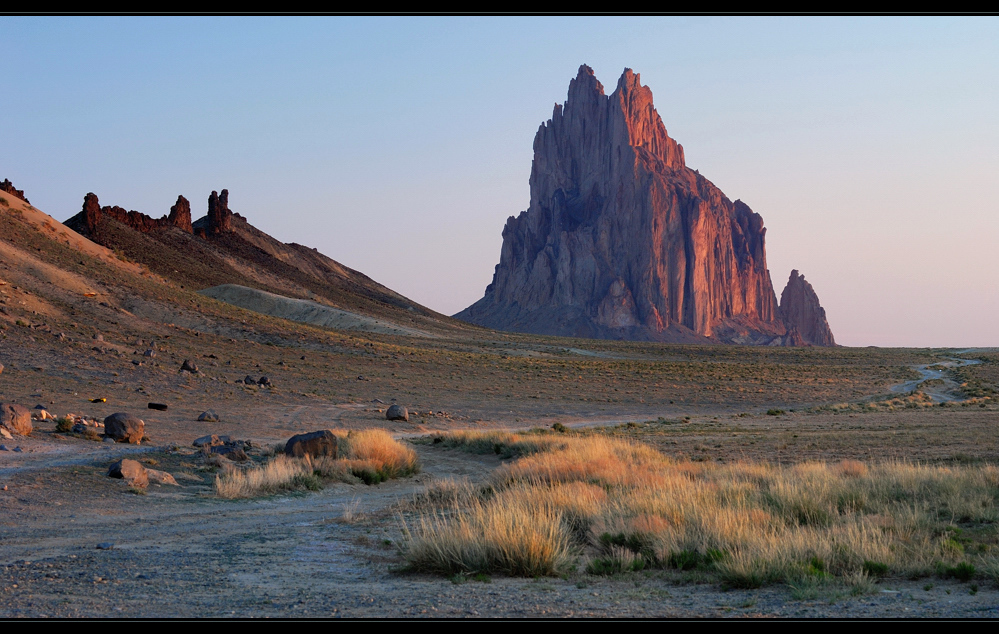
point(370, 456)
point(624, 506)
point(913, 400)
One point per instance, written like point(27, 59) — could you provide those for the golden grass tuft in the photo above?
point(749, 524)
point(371, 456)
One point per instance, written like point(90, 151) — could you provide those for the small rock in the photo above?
point(5, 434)
point(162, 407)
point(105, 546)
point(397, 412)
point(318, 443)
point(209, 416)
point(188, 366)
point(149, 353)
point(212, 441)
point(124, 427)
point(18, 450)
point(4, 448)
point(232, 452)
point(15, 418)
point(249, 380)
point(264, 381)
point(160, 477)
point(133, 473)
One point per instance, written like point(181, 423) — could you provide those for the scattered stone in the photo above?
point(212, 441)
point(18, 449)
point(266, 382)
point(232, 452)
point(161, 407)
point(133, 473)
point(249, 380)
point(188, 366)
point(15, 418)
point(149, 353)
point(378, 400)
point(124, 427)
point(317, 443)
point(105, 546)
point(156, 476)
point(4, 448)
point(209, 416)
point(397, 412)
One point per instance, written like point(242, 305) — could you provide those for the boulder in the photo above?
point(317, 443)
point(397, 412)
point(131, 471)
point(213, 440)
point(124, 427)
point(15, 418)
point(233, 452)
point(160, 477)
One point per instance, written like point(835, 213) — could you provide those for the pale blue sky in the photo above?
point(399, 146)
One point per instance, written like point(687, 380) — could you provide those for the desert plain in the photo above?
point(77, 322)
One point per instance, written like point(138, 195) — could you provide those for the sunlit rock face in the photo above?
point(622, 240)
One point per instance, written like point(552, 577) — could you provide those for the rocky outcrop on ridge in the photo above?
point(8, 187)
point(90, 217)
point(802, 314)
point(219, 216)
point(622, 240)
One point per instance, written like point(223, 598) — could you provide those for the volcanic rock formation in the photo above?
point(622, 240)
point(8, 187)
point(801, 312)
point(90, 216)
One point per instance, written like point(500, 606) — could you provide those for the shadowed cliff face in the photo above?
point(622, 240)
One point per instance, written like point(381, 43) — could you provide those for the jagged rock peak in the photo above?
point(8, 187)
point(180, 215)
point(219, 216)
point(622, 240)
point(801, 312)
